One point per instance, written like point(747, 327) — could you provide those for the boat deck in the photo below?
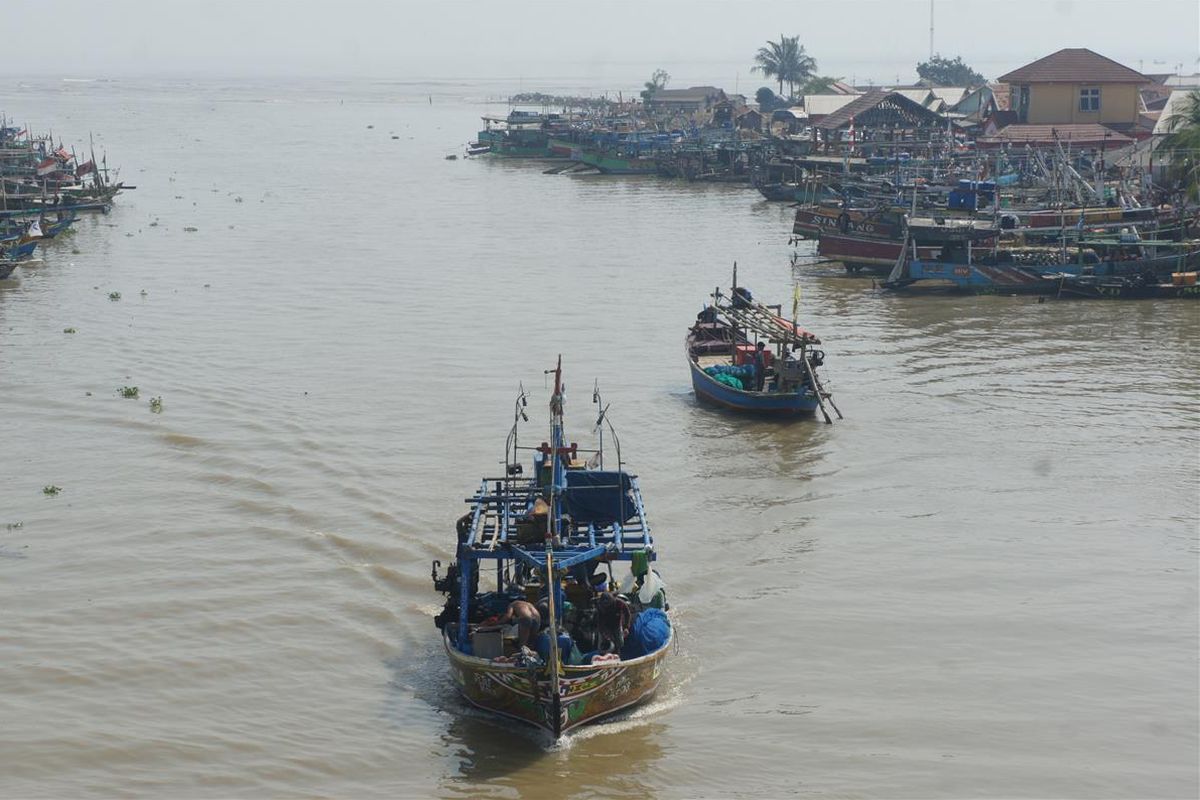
point(499, 518)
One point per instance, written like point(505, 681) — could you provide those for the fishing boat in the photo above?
point(972, 257)
point(1139, 287)
point(571, 536)
point(747, 357)
point(617, 162)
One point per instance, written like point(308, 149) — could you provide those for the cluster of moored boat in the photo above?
point(43, 189)
point(619, 145)
point(555, 614)
point(921, 209)
point(1036, 226)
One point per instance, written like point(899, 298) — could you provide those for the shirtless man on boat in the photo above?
point(527, 619)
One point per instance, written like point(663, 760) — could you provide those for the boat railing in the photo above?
point(500, 507)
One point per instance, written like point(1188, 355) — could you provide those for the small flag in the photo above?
point(46, 167)
point(852, 130)
point(85, 168)
point(62, 155)
point(795, 302)
point(35, 230)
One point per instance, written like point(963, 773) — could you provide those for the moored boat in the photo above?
point(616, 162)
point(975, 259)
point(571, 537)
point(747, 357)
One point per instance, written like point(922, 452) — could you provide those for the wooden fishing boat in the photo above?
point(747, 357)
point(616, 162)
point(1086, 259)
point(1139, 287)
point(567, 536)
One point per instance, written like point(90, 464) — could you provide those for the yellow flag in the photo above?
point(795, 302)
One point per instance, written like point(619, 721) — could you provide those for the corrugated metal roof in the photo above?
point(917, 95)
point(1174, 106)
point(821, 104)
point(1074, 65)
point(949, 94)
point(1079, 133)
point(864, 103)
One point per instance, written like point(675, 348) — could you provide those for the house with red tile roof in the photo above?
point(1076, 86)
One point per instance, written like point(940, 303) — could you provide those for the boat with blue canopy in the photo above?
point(555, 615)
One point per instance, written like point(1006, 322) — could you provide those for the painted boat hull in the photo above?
point(712, 391)
point(6, 268)
point(616, 165)
point(873, 255)
point(816, 221)
point(1032, 279)
point(584, 693)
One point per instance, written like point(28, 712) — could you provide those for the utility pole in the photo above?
point(931, 30)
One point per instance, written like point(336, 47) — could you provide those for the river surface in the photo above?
point(981, 583)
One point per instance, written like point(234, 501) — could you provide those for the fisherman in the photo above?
point(527, 619)
point(613, 620)
point(760, 366)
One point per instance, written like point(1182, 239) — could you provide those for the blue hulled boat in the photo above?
point(977, 256)
point(747, 357)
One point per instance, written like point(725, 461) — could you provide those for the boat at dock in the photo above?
point(977, 257)
point(616, 162)
point(745, 356)
point(572, 537)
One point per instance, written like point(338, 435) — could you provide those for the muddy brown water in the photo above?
point(981, 583)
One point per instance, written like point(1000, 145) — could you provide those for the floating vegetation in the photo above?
point(51, 490)
point(12, 526)
point(156, 405)
point(68, 330)
point(190, 229)
point(114, 296)
point(129, 392)
point(143, 293)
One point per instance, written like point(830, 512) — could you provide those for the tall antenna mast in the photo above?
point(931, 30)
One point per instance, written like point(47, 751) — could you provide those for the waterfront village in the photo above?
point(1073, 175)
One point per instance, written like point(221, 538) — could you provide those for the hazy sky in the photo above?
point(530, 41)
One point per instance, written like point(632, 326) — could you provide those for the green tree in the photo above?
point(785, 61)
point(767, 100)
point(944, 72)
point(658, 81)
point(1182, 144)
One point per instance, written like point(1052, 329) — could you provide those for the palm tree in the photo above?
point(785, 61)
point(803, 66)
point(1183, 142)
point(772, 60)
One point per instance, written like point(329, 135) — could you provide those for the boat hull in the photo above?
point(584, 693)
point(712, 391)
point(862, 253)
point(1021, 279)
point(616, 165)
